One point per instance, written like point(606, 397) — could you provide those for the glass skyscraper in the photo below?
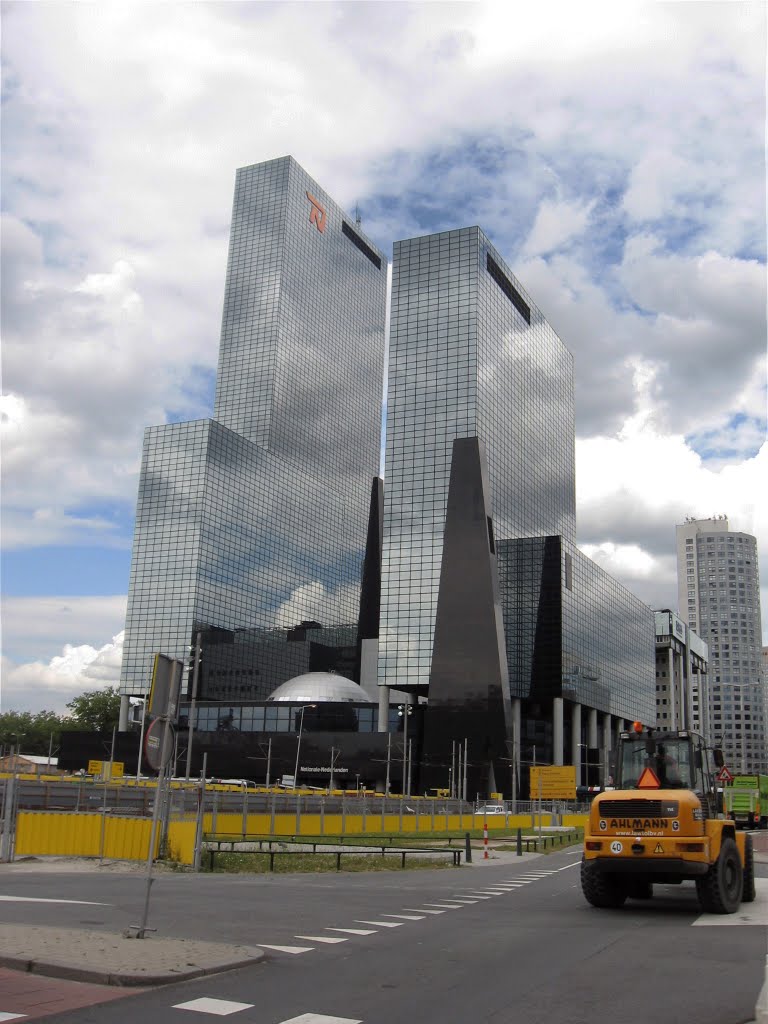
point(255, 520)
point(471, 356)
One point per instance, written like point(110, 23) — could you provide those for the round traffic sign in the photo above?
point(159, 743)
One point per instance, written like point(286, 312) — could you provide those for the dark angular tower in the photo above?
point(469, 685)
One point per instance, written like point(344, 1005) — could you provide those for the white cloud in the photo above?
point(556, 224)
point(614, 153)
point(35, 686)
point(632, 491)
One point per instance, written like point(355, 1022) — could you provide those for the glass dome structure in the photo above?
point(318, 688)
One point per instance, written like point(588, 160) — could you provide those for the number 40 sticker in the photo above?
point(616, 847)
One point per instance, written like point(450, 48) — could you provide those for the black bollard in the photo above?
point(519, 842)
point(468, 854)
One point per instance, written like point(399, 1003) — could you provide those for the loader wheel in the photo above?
point(748, 894)
point(601, 890)
point(720, 890)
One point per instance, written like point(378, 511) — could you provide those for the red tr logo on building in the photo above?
point(317, 215)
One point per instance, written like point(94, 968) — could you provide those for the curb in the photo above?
point(124, 979)
point(161, 961)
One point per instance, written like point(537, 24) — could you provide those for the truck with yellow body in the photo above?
point(664, 823)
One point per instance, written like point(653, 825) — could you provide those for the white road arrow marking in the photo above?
point(39, 899)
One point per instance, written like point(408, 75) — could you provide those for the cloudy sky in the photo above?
point(613, 153)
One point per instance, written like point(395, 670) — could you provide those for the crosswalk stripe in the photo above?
point(421, 910)
point(353, 931)
point(285, 949)
point(383, 924)
point(207, 1004)
point(320, 938)
point(464, 899)
point(445, 906)
point(319, 1018)
point(405, 917)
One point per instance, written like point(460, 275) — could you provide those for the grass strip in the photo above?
point(316, 863)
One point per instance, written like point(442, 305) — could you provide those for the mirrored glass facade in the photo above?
point(256, 519)
point(572, 631)
point(470, 355)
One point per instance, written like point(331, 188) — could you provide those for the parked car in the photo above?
point(491, 809)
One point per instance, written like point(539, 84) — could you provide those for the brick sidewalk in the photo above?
point(32, 995)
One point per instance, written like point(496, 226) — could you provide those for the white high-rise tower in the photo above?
point(719, 596)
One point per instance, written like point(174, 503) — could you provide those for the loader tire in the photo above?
point(720, 890)
point(748, 893)
point(601, 890)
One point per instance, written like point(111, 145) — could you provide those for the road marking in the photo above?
point(320, 938)
point(421, 910)
point(285, 949)
point(475, 896)
point(465, 900)
point(18, 1016)
point(485, 893)
point(353, 931)
point(218, 1007)
point(405, 917)
point(383, 924)
point(319, 1018)
point(39, 899)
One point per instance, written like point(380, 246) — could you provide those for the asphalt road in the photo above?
point(503, 944)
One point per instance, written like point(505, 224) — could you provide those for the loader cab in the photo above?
point(678, 760)
point(669, 757)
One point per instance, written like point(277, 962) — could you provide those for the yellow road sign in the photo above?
point(95, 767)
point(553, 782)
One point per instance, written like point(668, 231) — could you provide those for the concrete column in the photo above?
point(576, 757)
point(687, 683)
point(557, 730)
point(592, 728)
point(671, 691)
point(607, 747)
point(383, 723)
point(122, 721)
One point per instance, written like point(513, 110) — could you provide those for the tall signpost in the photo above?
point(158, 751)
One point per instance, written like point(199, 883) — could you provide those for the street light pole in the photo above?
point(191, 712)
point(298, 743)
point(405, 711)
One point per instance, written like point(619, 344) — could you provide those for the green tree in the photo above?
point(97, 710)
point(31, 734)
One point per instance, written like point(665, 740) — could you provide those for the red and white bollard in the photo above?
point(485, 840)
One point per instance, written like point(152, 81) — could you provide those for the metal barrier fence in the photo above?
point(36, 817)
